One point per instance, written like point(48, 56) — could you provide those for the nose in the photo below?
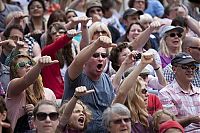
point(48, 119)
point(123, 122)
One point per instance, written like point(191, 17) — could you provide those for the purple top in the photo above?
point(165, 60)
point(139, 128)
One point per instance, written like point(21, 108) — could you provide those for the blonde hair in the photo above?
point(98, 25)
point(87, 112)
point(164, 50)
point(136, 104)
point(157, 116)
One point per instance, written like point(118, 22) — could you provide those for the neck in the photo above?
point(37, 22)
point(2, 5)
point(173, 51)
point(184, 84)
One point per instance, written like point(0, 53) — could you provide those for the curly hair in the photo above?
point(38, 92)
point(136, 104)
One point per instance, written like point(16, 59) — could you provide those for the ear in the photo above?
point(174, 69)
point(4, 115)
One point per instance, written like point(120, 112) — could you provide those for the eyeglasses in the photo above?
point(16, 38)
point(97, 55)
point(120, 121)
point(193, 67)
point(23, 64)
point(175, 34)
point(100, 32)
point(144, 91)
point(61, 31)
point(198, 48)
point(41, 116)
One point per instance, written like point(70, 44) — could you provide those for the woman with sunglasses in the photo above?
point(75, 115)
point(25, 89)
point(170, 43)
point(134, 95)
point(59, 47)
point(117, 119)
point(46, 117)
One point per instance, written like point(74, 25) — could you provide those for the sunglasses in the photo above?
point(195, 48)
point(120, 121)
point(144, 91)
point(24, 64)
point(60, 32)
point(175, 34)
point(97, 55)
point(193, 67)
point(41, 116)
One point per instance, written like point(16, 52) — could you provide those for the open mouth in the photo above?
point(81, 120)
point(99, 66)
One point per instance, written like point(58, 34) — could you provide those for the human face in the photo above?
point(99, 32)
point(48, 125)
point(185, 72)
point(70, 15)
point(78, 118)
point(123, 55)
point(120, 124)
point(95, 11)
point(144, 92)
point(173, 39)
point(95, 65)
point(36, 9)
point(55, 34)
point(131, 19)
point(23, 69)
point(194, 50)
point(16, 35)
point(139, 4)
point(135, 30)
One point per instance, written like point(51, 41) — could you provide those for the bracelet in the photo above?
point(77, 97)
point(157, 68)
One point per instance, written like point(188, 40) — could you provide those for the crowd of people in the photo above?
point(99, 66)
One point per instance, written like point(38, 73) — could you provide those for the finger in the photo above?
point(54, 61)
point(78, 32)
point(113, 45)
point(89, 91)
point(5, 125)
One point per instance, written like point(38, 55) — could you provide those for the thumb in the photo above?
point(89, 91)
point(113, 45)
point(54, 61)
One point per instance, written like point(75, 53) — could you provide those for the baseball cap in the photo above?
point(168, 28)
point(170, 124)
point(183, 58)
point(131, 11)
point(92, 3)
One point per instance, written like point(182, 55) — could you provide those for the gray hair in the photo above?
point(115, 108)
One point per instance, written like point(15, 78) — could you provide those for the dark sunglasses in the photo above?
point(23, 64)
point(144, 91)
point(97, 55)
point(60, 32)
point(193, 67)
point(195, 48)
point(120, 121)
point(175, 34)
point(41, 116)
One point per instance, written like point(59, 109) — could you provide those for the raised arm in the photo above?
point(18, 85)
point(84, 55)
point(193, 24)
point(139, 42)
point(64, 120)
point(130, 81)
point(127, 63)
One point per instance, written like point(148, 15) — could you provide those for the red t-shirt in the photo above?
point(154, 104)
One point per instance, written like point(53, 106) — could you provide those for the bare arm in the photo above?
point(142, 39)
point(36, 51)
point(18, 85)
point(84, 55)
point(193, 25)
point(188, 120)
point(64, 120)
point(127, 85)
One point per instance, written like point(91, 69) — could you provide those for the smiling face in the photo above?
point(120, 124)
point(95, 65)
point(36, 9)
point(47, 125)
point(78, 118)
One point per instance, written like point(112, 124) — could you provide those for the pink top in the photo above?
point(15, 105)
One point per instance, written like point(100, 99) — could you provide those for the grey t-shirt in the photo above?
point(97, 101)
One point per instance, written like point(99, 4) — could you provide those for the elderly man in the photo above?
point(180, 97)
point(87, 70)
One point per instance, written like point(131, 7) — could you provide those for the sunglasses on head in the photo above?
point(24, 64)
point(120, 121)
point(193, 67)
point(97, 55)
point(175, 34)
point(41, 116)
